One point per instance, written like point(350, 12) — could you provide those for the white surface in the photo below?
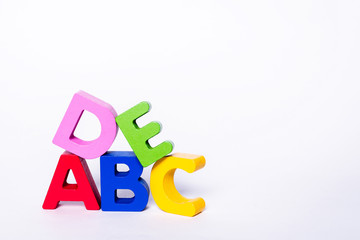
point(267, 91)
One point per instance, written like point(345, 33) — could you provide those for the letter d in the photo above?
point(65, 138)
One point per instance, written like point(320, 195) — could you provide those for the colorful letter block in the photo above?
point(84, 190)
point(138, 137)
point(111, 180)
point(162, 174)
point(65, 138)
point(163, 188)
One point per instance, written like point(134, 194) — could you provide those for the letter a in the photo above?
point(84, 190)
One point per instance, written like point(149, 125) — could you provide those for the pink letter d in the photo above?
point(65, 138)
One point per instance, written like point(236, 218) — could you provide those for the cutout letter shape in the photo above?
point(84, 190)
point(111, 180)
point(163, 188)
point(138, 137)
point(65, 138)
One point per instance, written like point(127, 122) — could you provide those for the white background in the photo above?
point(267, 91)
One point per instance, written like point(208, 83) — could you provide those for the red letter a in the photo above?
point(85, 190)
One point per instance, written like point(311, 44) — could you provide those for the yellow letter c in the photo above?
point(163, 188)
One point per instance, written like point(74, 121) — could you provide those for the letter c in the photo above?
point(163, 188)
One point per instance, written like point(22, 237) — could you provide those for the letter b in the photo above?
point(112, 179)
